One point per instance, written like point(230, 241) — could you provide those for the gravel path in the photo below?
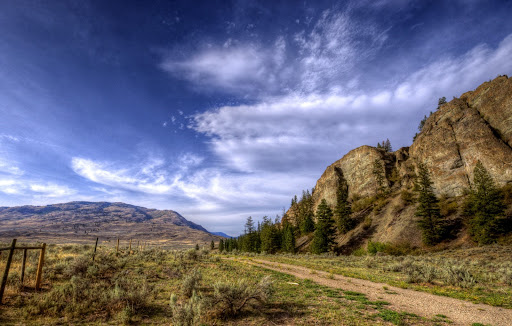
point(420, 303)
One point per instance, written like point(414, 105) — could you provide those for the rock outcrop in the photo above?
point(475, 127)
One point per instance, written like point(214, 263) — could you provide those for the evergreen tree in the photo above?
point(249, 225)
point(269, 236)
point(387, 146)
point(221, 245)
point(288, 238)
point(250, 241)
point(431, 223)
point(302, 211)
point(343, 209)
point(422, 123)
point(212, 245)
point(440, 102)
point(378, 173)
point(484, 206)
point(197, 246)
point(323, 238)
point(228, 246)
point(307, 225)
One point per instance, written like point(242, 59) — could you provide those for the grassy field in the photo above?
point(481, 274)
point(179, 288)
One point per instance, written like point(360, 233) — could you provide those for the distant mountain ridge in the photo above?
point(222, 234)
point(80, 221)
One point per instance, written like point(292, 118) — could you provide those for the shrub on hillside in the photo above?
point(360, 204)
point(375, 247)
point(407, 197)
point(187, 313)
point(190, 282)
point(448, 206)
point(458, 276)
point(230, 298)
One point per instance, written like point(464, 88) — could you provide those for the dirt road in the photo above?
point(420, 303)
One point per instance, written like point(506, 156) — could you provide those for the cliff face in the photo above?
point(476, 126)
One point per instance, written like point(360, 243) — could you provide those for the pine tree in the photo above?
point(249, 225)
point(221, 245)
point(387, 146)
point(431, 223)
point(212, 245)
point(269, 236)
point(378, 173)
point(288, 238)
point(343, 209)
point(422, 123)
point(302, 211)
point(250, 242)
point(323, 238)
point(440, 102)
point(307, 225)
point(197, 246)
point(484, 206)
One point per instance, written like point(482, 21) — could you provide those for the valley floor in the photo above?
point(195, 287)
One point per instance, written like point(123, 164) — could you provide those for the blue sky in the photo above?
point(217, 109)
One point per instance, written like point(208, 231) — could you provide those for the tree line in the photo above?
point(279, 235)
point(483, 210)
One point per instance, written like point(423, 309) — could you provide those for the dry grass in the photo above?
point(153, 287)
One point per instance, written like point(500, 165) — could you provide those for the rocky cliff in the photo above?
point(476, 126)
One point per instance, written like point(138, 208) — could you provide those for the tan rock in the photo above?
point(477, 126)
point(357, 167)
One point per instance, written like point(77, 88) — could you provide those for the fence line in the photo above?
point(40, 264)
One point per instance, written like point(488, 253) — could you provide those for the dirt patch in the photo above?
point(420, 303)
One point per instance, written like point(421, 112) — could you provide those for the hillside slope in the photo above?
point(83, 221)
point(476, 126)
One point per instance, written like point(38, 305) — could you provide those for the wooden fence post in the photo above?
point(130, 249)
point(95, 246)
point(6, 272)
point(117, 246)
point(39, 275)
point(23, 263)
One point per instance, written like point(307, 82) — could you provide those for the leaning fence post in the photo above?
point(23, 263)
point(6, 271)
point(40, 267)
point(95, 246)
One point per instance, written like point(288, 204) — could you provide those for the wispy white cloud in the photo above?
point(235, 68)
point(9, 186)
point(10, 137)
point(146, 179)
point(294, 132)
point(30, 188)
point(12, 168)
point(52, 190)
point(203, 193)
point(308, 61)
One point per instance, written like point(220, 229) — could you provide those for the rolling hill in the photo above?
point(82, 222)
